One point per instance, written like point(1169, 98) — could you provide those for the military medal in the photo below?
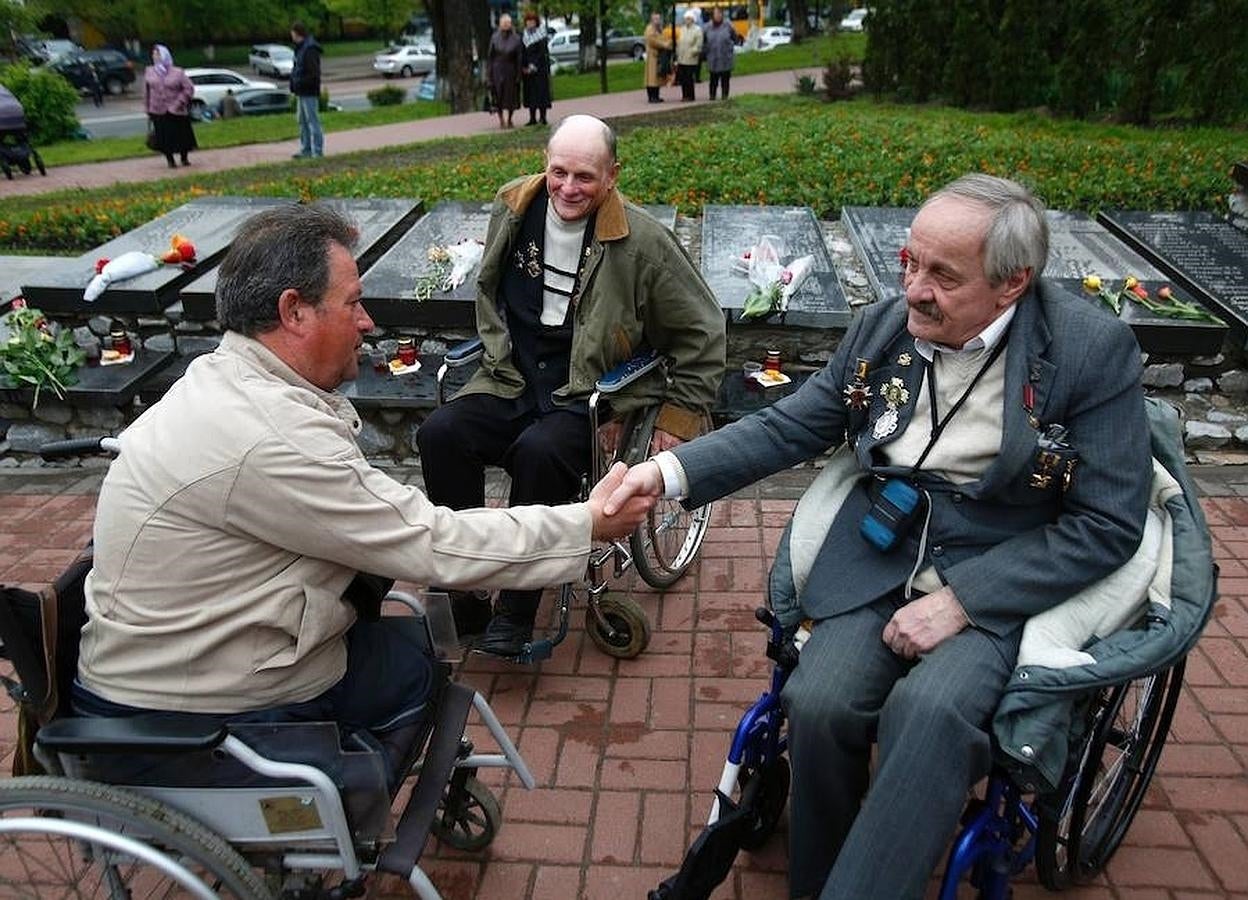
point(858, 393)
point(896, 395)
point(885, 425)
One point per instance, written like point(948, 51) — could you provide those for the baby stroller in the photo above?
point(15, 148)
point(1077, 735)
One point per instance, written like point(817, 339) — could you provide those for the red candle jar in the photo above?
point(121, 342)
point(772, 362)
point(407, 351)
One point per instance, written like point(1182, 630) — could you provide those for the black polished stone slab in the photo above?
point(381, 223)
point(415, 391)
point(100, 385)
point(1206, 257)
point(729, 231)
point(738, 397)
point(209, 222)
point(14, 270)
point(1078, 246)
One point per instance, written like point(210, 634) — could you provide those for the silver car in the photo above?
point(406, 61)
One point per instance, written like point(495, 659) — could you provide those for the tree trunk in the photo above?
point(453, 30)
point(797, 19)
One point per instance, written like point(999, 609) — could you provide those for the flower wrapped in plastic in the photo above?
point(134, 263)
point(449, 265)
point(772, 284)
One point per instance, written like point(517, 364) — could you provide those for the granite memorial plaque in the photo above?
point(209, 222)
point(111, 385)
point(1078, 246)
point(391, 284)
point(381, 223)
point(1206, 257)
point(14, 270)
point(415, 390)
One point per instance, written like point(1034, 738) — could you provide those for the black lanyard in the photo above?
point(938, 426)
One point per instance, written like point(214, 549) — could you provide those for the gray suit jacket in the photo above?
point(1008, 550)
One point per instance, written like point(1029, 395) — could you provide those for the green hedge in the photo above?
point(755, 150)
point(47, 99)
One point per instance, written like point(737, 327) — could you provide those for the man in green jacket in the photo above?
point(574, 281)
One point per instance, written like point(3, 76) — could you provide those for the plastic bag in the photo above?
point(464, 257)
point(128, 265)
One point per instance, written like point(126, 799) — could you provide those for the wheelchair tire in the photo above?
point(766, 801)
point(39, 865)
point(629, 631)
point(665, 545)
point(1106, 777)
point(468, 818)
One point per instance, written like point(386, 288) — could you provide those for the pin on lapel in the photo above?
point(904, 359)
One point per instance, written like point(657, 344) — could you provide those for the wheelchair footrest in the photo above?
point(435, 771)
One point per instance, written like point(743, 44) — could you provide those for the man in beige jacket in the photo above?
point(241, 508)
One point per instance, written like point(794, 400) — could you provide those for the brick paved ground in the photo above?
point(626, 752)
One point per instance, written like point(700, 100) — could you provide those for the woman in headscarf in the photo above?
point(504, 68)
point(688, 54)
point(535, 64)
point(168, 95)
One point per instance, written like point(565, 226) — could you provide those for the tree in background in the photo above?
point(15, 18)
point(388, 16)
point(798, 10)
point(1216, 59)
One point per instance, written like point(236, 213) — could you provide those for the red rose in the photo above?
point(100, 264)
point(904, 255)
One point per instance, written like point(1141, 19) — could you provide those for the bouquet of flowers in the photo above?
point(449, 265)
point(33, 353)
point(773, 284)
point(107, 271)
point(1164, 303)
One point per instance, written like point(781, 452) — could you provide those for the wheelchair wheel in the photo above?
point(668, 541)
point(468, 817)
point(620, 627)
point(1106, 777)
point(764, 791)
point(37, 864)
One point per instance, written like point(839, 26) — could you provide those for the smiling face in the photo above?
point(336, 326)
point(579, 170)
point(949, 298)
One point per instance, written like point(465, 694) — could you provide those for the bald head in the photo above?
point(584, 134)
point(581, 170)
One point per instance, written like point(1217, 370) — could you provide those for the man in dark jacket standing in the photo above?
point(305, 84)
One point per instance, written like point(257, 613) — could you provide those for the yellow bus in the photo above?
point(743, 16)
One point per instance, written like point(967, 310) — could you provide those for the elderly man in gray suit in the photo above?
point(1002, 464)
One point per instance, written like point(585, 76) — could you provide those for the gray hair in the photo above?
point(608, 135)
point(1018, 235)
point(281, 248)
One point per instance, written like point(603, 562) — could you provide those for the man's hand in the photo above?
point(921, 625)
point(613, 521)
point(644, 481)
point(663, 441)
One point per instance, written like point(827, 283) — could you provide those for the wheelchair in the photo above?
point(662, 548)
point(1064, 806)
point(168, 806)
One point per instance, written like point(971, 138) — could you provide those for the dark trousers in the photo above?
point(684, 77)
point(930, 719)
point(652, 94)
point(720, 78)
point(390, 677)
point(545, 455)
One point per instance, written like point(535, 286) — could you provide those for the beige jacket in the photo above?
point(239, 509)
point(689, 45)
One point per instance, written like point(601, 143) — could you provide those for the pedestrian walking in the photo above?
point(167, 94)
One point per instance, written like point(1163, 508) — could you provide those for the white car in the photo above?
point(272, 59)
point(773, 36)
point(565, 46)
point(211, 86)
point(853, 20)
point(406, 61)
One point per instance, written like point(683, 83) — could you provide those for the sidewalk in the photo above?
point(625, 753)
point(152, 167)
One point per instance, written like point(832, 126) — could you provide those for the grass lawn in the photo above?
point(263, 129)
point(782, 150)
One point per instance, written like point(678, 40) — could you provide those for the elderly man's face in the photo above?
point(337, 325)
point(578, 175)
point(949, 298)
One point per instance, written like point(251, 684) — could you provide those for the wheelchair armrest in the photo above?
point(462, 354)
point(628, 371)
point(147, 734)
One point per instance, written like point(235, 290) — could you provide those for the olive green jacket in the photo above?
point(639, 290)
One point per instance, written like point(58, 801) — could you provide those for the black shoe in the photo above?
point(472, 612)
point(506, 636)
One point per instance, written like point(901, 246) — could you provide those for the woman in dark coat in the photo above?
point(535, 66)
point(167, 96)
point(504, 68)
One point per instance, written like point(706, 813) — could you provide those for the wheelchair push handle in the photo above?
point(628, 371)
point(462, 354)
point(79, 447)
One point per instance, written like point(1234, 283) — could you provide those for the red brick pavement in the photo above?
point(626, 752)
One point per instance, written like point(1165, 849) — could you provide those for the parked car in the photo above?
point(211, 85)
point(773, 36)
point(114, 69)
point(43, 50)
point(565, 46)
point(260, 101)
point(272, 59)
point(406, 60)
point(620, 43)
point(854, 20)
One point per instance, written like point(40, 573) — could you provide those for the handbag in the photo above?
point(152, 144)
